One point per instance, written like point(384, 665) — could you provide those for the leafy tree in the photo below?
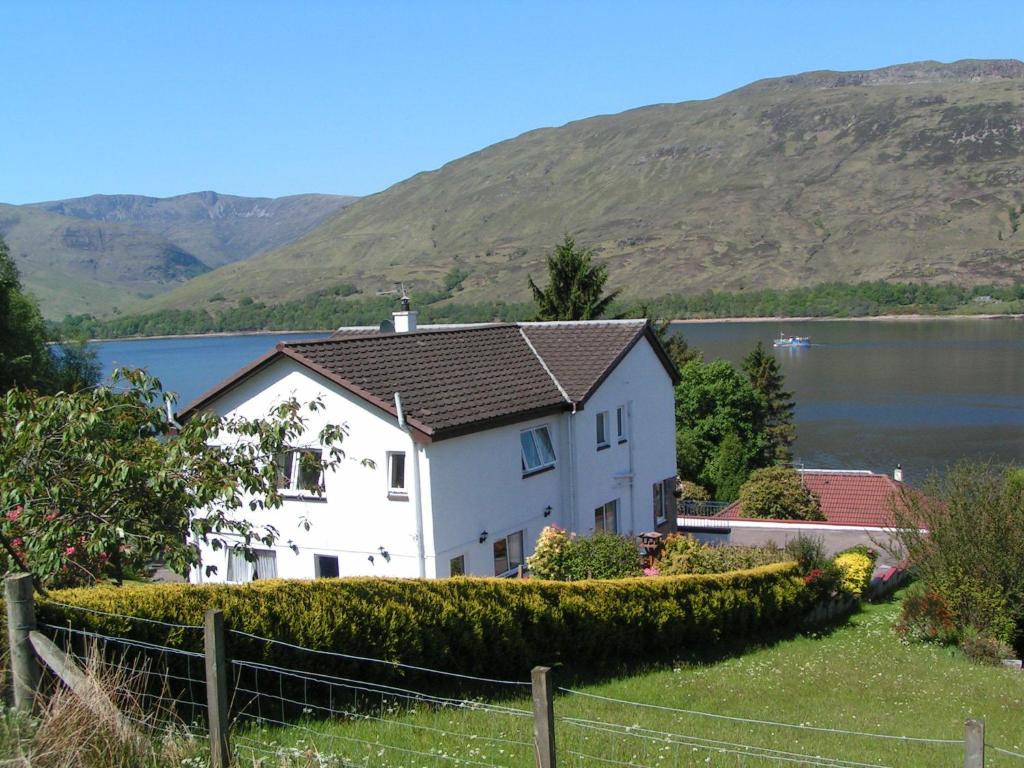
point(25, 358)
point(778, 493)
point(575, 289)
point(729, 468)
point(763, 372)
point(23, 353)
point(714, 400)
point(964, 538)
point(95, 484)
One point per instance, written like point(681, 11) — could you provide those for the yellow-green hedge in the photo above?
point(489, 627)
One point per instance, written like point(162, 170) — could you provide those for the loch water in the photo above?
point(869, 393)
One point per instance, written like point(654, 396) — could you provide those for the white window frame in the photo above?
point(531, 436)
point(317, 557)
point(602, 513)
point(511, 564)
point(601, 430)
point(294, 472)
point(621, 430)
point(396, 493)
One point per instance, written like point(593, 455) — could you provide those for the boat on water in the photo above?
point(792, 341)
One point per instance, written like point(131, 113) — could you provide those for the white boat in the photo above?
point(792, 341)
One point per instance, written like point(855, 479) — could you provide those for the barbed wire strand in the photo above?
point(799, 726)
point(382, 688)
point(716, 744)
point(370, 659)
point(98, 612)
point(610, 761)
point(1007, 752)
point(125, 641)
point(388, 721)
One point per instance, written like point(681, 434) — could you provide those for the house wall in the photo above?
point(355, 519)
point(834, 539)
point(477, 484)
point(627, 471)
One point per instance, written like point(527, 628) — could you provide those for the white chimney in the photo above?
point(405, 320)
point(897, 474)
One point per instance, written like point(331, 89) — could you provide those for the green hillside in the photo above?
point(95, 253)
point(910, 173)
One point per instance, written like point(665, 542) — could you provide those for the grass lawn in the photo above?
point(859, 677)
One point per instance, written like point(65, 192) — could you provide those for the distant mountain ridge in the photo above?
point(91, 254)
point(910, 172)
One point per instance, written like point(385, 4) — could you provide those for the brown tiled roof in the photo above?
point(581, 355)
point(466, 378)
point(860, 499)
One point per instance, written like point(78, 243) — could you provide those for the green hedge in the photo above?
point(487, 627)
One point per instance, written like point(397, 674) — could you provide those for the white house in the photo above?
point(481, 435)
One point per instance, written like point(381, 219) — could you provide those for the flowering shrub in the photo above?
point(823, 581)
point(548, 560)
point(855, 572)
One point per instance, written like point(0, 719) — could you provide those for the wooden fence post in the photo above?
point(216, 688)
point(21, 619)
point(974, 744)
point(543, 717)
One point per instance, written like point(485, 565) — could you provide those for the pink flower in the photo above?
point(652, 571)
point(14, 513)
point(69, 551)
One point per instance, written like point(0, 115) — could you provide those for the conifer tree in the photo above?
point(762, 370)
point(575, 289)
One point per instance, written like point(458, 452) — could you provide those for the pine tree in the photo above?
point(575, 285)
point(763, 372)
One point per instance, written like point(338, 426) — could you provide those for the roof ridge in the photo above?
point(373, 333)
point(556, 323)
point(544, 365)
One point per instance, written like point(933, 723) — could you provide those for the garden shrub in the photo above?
point(684, 554)
point(479, 626)
point(984, 649)
point(778, 493)
point(925, 616)
point(808, 551)
point(854, 572)
point(563, 556)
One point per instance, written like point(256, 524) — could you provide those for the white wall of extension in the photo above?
point(468, 485)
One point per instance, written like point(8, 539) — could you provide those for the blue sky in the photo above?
point(258, 98)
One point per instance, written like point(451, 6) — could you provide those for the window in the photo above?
point(602, 430)
point(538, 452)
point(664, 499)
point(396, 476)
point(457, 566)
point(299, 471)
point(263, 566)
point(620, 423)
point(606, 517)
point(508, 553)
point(326, 566)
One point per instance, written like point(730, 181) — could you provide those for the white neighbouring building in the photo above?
point(481, 435)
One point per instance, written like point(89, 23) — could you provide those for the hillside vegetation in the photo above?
point(908, 173)
point(92, 254)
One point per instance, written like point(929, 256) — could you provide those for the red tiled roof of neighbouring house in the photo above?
point(466, 378)
point(854, 498)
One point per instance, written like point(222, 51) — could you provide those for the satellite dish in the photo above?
point(386, 326)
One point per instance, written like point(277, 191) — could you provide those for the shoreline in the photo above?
point(868, 318)
point(676, 321)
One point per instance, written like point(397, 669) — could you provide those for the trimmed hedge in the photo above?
point(479, 626)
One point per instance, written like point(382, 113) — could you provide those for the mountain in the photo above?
point(91, 254)
point(911, 172)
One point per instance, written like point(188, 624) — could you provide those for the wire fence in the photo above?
point(285, 714)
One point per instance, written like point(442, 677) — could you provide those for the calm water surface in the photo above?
point(870, 394)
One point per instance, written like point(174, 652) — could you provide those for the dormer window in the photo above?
point(538, 453)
